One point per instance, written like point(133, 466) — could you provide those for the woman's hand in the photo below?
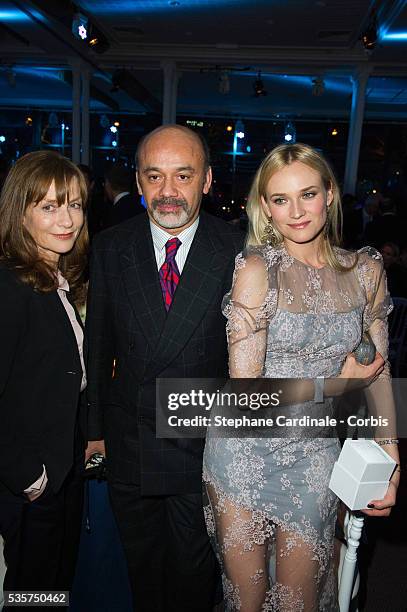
point(382, 507)
point(358, 375)
point(354, 376)
point(353, 369)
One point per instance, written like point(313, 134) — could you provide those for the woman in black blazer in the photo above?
point(43, 244)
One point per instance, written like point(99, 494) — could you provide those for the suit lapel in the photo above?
point(56, 312)
point(200, 279)
point(141, 281)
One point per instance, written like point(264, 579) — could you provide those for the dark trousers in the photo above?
point(41, 538)
point(171, 565)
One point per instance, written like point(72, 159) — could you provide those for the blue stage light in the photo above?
point(131, 7)
point(114, 143)
point(113, 129)
point(2, 138)
point(13, 15)
point(395, 36)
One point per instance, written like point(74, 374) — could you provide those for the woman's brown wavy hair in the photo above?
point(28, 183)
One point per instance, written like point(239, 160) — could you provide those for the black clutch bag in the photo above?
point(95, 467)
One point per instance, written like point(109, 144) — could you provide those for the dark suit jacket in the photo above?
point(127, 321)
point(40, 379)
point(123, 210)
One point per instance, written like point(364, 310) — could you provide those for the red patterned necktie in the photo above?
point(169, 273)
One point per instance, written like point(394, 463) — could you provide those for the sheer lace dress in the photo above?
point(270, 513)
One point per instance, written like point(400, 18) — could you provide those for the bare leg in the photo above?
point(297, 568)
point(242, 541)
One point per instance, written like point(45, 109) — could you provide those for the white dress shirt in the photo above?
point(161, 237)
point(37, 487)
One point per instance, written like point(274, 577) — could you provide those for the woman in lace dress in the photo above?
point(297, 309)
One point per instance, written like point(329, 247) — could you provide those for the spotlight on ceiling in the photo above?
point(258, 86)
point(224, 82)
point(80, 27)
point(334, 132)
point(318, 86)
point(97, 41)
point(369, 36)
point(290, 133)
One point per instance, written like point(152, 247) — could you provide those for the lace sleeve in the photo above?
point(247, 308)
point(379, 394)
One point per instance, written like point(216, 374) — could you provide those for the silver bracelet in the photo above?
point(319, 390)
point(388, 441)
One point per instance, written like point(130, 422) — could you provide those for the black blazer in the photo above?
point(123, 210)
point(40, 379)
point(127, 321)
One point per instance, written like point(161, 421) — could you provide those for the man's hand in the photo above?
point(95, 446)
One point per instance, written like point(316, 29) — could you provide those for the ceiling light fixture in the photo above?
point(80, 26)
point(369, 36)
point(290, 133)
point(97, 41)
point(258, 86)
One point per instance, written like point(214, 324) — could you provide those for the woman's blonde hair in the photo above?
point(28, 183)
point(276, 160)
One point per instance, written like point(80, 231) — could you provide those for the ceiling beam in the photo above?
point(136, 90)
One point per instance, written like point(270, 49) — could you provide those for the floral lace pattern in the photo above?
point(270, 513)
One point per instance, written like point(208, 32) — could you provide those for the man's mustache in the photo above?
point(169, 202)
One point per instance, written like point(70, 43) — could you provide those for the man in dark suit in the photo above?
point(154, 310)
point(122, 204)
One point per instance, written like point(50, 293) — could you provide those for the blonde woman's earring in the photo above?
point(269, 235)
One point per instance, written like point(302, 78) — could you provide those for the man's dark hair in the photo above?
point(120, 178)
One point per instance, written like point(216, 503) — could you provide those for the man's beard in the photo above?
point(170, 220)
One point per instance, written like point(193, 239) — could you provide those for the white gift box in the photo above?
point(361, 474)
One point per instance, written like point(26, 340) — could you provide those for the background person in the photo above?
point(119, 192)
